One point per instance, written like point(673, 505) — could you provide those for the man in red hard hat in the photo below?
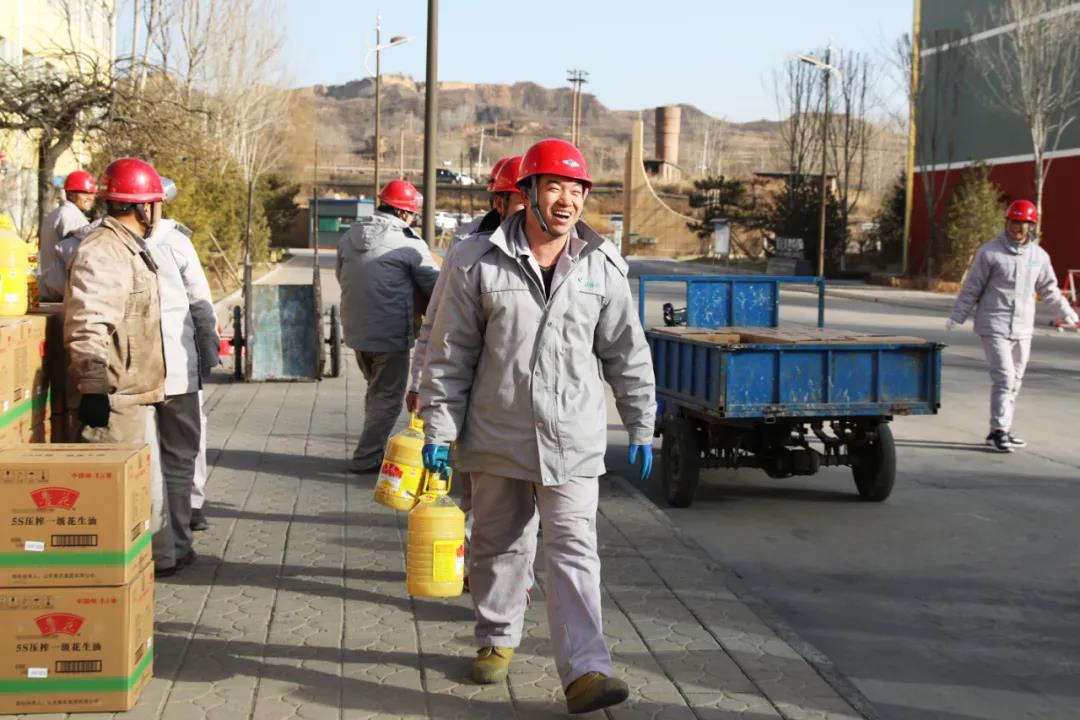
point(532, 319)
point(473, 225)
point(68, 217)
point(1000, 289)
point(379, 263)
point(112, 314)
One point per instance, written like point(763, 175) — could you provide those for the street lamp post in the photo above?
point(827, 69)
point(396, 40)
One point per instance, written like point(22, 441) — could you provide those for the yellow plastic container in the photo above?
point(14, 271)
point(401, 475)
point(435, 561)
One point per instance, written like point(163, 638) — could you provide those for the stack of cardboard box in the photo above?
point(31, 376)
point(76, 578)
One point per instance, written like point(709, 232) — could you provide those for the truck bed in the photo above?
point(795, 371)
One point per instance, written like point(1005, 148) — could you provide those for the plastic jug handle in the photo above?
point(438, 483)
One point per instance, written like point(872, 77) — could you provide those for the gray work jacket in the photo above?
point(1001, 286)
point(188, 322)
point(378, 264)
point(516, 379)
point(65, 219)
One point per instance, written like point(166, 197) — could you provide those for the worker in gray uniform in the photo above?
point(190, 340)
point(1000, 288)
point(379, 265)
point(68, 217)
point(474, 225)
point(506, 200)
point(533, 318)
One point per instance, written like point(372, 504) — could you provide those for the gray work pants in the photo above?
point(178, 430)
point(1008, 359)
point(505, 517)
point(387, 374)
point(198, 489)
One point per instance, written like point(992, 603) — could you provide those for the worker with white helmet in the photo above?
point(532, 320)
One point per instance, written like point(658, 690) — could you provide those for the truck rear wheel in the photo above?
point(874, 465)
point(682, 462)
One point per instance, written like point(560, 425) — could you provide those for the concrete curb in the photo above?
point(735, 584)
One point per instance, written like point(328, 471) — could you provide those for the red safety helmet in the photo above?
point(554, 157)
point(401, 195)
point(506, 180)
point(131, 180)
point(1022, 211)
point(80, 181)
point(495, 173)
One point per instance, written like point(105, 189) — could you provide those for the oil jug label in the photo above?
point(448, 564)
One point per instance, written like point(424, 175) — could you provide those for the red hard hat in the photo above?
point(131, 180)
point(80, 181)
point(495, 173)
point(554, 157)
point(1022, 211)
point(506, 180)
point(401, 195)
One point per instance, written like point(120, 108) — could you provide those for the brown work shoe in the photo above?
point(491, 665)
point(594, 690)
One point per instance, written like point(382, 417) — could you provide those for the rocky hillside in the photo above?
point(511, 117)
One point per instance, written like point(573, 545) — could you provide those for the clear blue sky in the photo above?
point(715, 54)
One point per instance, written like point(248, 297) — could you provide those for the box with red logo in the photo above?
point(76, 649)
point(74, 514)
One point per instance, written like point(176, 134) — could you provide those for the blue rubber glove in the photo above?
point(646, 459)
point(436, 457)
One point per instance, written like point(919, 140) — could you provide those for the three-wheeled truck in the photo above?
point(735, 388)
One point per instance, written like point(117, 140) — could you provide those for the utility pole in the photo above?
point(431, 118)
point(401, 155)
point(378, 97)
point(480, 154)
point(824, 158)
point(577, 78)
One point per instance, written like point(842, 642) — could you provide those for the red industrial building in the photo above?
point(955, 126)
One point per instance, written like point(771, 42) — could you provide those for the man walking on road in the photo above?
point(1000, 288)
point(66, 218)
point(532, 320)
point(112, 312)
point(379, 263)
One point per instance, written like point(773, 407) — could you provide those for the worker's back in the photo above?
point(379, 263)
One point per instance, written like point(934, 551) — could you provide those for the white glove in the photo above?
point(1071, 318)
point(951, 324)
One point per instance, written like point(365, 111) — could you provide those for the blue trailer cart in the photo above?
point(735, 388)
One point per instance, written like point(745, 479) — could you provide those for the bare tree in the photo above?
point(56, 99)
point(851, 130)
point(1032, 69)
point(935, 93)
point(799, 95)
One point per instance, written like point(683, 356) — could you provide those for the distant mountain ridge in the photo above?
point(514, 116)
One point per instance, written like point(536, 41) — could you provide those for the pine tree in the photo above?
point(974, 215)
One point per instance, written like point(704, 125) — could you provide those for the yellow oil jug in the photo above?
point(435, 561)
point(14, 270)
point(401, 475)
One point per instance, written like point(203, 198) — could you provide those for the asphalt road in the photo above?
point(959, 597)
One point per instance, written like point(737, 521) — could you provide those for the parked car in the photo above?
point(445, 222)
point(445, 175)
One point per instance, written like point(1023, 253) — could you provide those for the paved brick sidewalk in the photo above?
point(297, 607)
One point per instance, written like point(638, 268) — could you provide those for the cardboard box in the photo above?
point(74, 515)
point(76, 649)
point(11, 332)
point(55, 357)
